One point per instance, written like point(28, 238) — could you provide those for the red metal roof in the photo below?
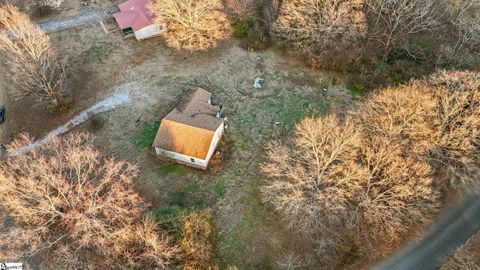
point(134, 14)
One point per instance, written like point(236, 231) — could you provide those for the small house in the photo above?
point(135, 19)
point(190, 133)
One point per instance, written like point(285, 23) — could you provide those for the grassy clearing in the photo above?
point(237, 244)
point(174, 168)
point(290, 110)
point(301, 77)
point(194, 196)
point(100, 52)
point(147, 136)
point(219, 188)
point(272, 117)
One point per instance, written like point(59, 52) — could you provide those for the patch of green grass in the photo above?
point(293, 108)
point(271, 116)
point(253, 38)
point(180, 202)
point(301, 77)
point(219, 188)
point(237, 243)
point(147, 136)
point(168, 213)
point(327, 82)
point(240, 141)
point(100, 51)
point(356, 88)
point(174, 168)
point(241, 29)
point(190, 197)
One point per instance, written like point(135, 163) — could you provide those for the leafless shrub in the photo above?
point(35, 66)
point(312, 26)
point(393, 20)
point(290, 261)
point(195, 242)
point(78, 210)
point(193, 25)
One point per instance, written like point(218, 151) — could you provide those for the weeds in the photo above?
point(174, 168)
point(242, 29)
point(237, 242)
point(147, 136)
point(219, 188)
point(100, 52)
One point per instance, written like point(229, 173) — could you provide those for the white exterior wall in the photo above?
point(182, 158)
point(188, 159)
point(148, 32)
point(216, 139)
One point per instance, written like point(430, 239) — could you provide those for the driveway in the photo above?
point(451, 230)
point(86, 18)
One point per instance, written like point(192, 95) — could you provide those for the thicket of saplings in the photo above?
point(364, 179)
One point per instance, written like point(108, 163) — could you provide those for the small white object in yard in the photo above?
point(325, 89)
point(53, 3)
point(256, 83)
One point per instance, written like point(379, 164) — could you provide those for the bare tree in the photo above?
point(193, 25)
point(457, 126)
point(465, 20)
point(336, 177)
point(371, 173)
point(393, 113)
point(393, 20)
point(311, 26)
point(242, 9)
point(78, 210)
point(440, 123)
point(35, 66)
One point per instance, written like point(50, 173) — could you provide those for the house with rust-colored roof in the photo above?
point(190, 133)
point(135, 19)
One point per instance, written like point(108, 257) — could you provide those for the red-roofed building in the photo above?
point(135, 18)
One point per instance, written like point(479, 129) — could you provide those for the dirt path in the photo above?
point(86, 18)
point(453, 228)
point(105, 105)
